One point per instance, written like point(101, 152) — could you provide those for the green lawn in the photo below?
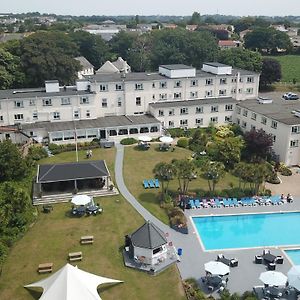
point(290, 66)
point(138, 165)
point(56, 234)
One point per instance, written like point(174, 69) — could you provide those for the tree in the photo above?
point(195, 19)
point(239, 171)
point(198, 141)
point(12, 165)
point(213, 171)
point(122, 43)
point(270, 72)
point(241, 58)
point(258, 145)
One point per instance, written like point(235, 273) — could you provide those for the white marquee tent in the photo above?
point(71, 283)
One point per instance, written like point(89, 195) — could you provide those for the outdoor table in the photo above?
point(214, 281)
point(273, 291)
point(269, 258)
point(93, 209)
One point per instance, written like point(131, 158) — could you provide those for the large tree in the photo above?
point(122, 43)
point(271, 72)
point(213, 171)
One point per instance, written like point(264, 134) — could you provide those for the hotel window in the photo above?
point(31, 102)
point(214, 108)
point(184, 111)
point(253, 127)
point(139, 86)
point(88, 114)
point(238, 110)
point(240, 91)
point(274, 138)
point(223, 80)
point(294, 143)
point(244, 124)
point(214, 119)
point(119, 102)
point(199, 121)
point(119, 87)
point(263, 120)
point(65, 101)
point(250, 79)
point(35, 115)
point(241, 79)
point(1, 118)
point(249, 91)
point(19, 104)
point(56, 115)
point(274, 124)
point(113, 132)
point(76, 114)
point(104, 102)
point(194, 82)
point(199, 110)
point(177, 84)
point(222, 92)
point(245, 112)
point(103, 87)
point(228, 107)
point(153, 97)
point(238, 121)
point(177, 95)
point(193, 94)
point(253, 116)
point(138, 101)
point(209, 81)
point(84, 100)
point(209, 93)
point(162, 96)
point(228, 119)
point(47, 102)
point(161, 113)
point(233, 80)
point(295, 129)
point(233, 91)
point(171, 123)
point(171, 112)
point(19, 117)
point(163, 85)
point(183, 122)
point(153, 85)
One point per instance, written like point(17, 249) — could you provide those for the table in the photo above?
point(93, 209)
point(88, 239)
point(74, 256)
point(80, 210)
point(45, 268)
point(269, 258)
point(273, 292)
point(214, 281)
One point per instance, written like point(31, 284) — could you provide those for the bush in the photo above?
point(177, 217)
point(37, 153)
point(183, 142)
point(55, 149)
point(128, 141)
point(273, 178)
point(285, 171)
point(176, 132)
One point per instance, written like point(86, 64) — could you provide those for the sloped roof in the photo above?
point(85, 64)
point(108, 67)
point(72, 171)
point(148, 236)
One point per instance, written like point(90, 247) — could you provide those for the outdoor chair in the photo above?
point(146, 184)
point(258, 259)
point(279, 260)
point(151, 183)
point(197, 203)
point(156, 182)
point(271, 266)
point(234, 262)
point(265, 251)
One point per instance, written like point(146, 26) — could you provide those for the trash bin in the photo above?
point(179, 251)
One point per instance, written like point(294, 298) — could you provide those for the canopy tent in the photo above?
point(216, 268)
point(71, 283)
point(294, 277)
point(166, 139)
point(273, 278)
point(145, 138)
point(81, 200)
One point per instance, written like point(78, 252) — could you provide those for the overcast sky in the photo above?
point(154, 7)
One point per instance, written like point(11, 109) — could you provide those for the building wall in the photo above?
point(150, 258)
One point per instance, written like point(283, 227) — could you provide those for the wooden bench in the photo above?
point(89, 239)
point(45, 268)
point(74, 256)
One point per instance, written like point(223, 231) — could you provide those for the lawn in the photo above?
point(138, 165)
point(56, 234)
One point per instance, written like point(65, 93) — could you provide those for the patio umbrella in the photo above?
point(145, 138)
point(273, 278)
point(216, 268)
point(294, 277)
point(81, 199)
point(166, 139)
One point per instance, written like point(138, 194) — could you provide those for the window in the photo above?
point(294, 143)
point(113, 132)
point(295, 129)
point(209, 93)
point(244, 124)
point(214, 119)
point(123, 131)
point(88, 114)
point(223, 80)
point(199, 109)
point(228, 119)
point(1, 118)
point(253, 116)
point(233, 80)
point(153, 85)
point(194, 82)
point(274, 138)
point(214, 108)
point(253, 127)
point(132, 131)
point(144, 130)
point(139, 86)
point(31, 102)
point(162, 96)
point(238, 121)
point(47, 102)
point(84, 100)
point(171, 123)
point(76, 114)
point(35, 115)
point(56, 115)
point(177, 95)
point(171, 112)
point(65, 101)
point(138, 101)
point(154, 129)
point(19, 117)
point(209, 81)
point(183, 122)
point(104, 102)
point(241, 79)
point(199, 121)
point(19, 104)
point(119, 102)
point(177, 84)
point(160, 113)
point(184, 111)
point(245, 112)
point(263, 120)
point(222, 92)
point(103, 87)
point(238, 110)
point(228, 107)
point(233, 91)
point(119, 87)
point(249, 91)
point(193, 94)
point(274, 124)
point(250, 79)
point(163, 85)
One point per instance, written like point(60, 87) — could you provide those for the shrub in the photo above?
point(183, 142)
point(128, 141)
point(285, 171)
point(55, 149)
point(37, 152)
point(177, 217)
point(273, 178)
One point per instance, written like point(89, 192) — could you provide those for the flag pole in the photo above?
point(76, 147)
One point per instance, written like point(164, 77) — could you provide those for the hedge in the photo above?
point(128, 141)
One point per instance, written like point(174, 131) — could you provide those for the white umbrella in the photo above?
point(81, 199)
point(216, 268)
point(145, 138)
point(294, 277)
point(273, 278)
point(166, 139)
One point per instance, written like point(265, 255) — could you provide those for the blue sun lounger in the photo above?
point(275, 200)
point(156, 182)
point(192, 203)
point(145, 183)
point(230, 202)
point(197, 203)
point(218, 203)
point(235, 202)
point(225, 202)
point(151, 183)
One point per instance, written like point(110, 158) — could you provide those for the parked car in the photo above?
point(290, 96)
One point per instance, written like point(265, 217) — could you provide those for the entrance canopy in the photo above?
point(71, 283)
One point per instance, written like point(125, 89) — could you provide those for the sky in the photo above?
point(154, 7)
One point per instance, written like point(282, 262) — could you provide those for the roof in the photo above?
point(84, 62)
point(226, 43)
point(71, 171)
point(169, 104)
point(148, 236)
point(176, 67)
point(215, 64)
point(280, 110)
point(103, 122)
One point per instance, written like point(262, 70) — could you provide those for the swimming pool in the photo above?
point(294, 255)
point(248, 230)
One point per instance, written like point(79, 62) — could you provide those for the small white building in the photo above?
point(86, 67)
point(118, 66)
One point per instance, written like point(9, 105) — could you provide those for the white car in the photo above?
point(290, 96)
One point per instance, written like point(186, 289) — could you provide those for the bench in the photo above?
point(74, 256)
point(89, 239)
point(45, 268)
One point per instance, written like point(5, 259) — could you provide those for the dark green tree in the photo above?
point(271, 72)
point(122, 43)
point(195, 19)
point(213, 171)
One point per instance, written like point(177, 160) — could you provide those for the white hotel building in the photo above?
point(114, 106)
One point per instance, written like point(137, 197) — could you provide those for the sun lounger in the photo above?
point(146, 184)
point(235, 202)
point(151, 183)
point(225, 202)
point(197, 203)
point(156, 182)
point(275, 200)
point(192, 204)
point(212, 203)
point(218, 203)
point(205, 203)
point(231, 204)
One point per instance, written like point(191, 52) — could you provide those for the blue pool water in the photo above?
point(248, 231)
point(294, 255)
